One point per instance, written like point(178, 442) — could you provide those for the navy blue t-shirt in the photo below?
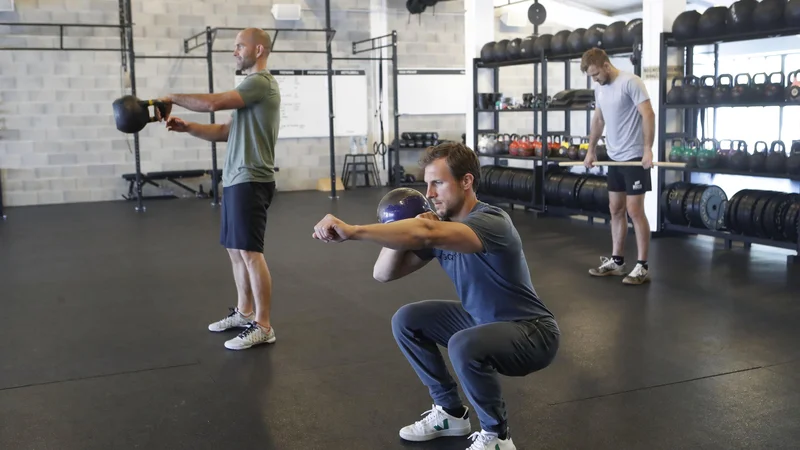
point(493, 285)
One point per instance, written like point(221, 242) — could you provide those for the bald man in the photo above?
point(247, 178)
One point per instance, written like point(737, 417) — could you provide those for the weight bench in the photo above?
point(172, 176)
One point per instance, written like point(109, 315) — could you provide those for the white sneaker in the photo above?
point(254, 334)
point(233, 320)
point(638, 275)
point(436, 424)
point(608, 267)
point(489, 441)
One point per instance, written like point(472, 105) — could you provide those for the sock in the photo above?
point(504, 435)
point(457, 412)
point(643, 263)
point(619, 260)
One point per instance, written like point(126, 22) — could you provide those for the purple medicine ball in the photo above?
point(402, 203)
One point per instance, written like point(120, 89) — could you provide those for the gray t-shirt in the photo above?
point(493, 285)
point(619, 101)
point(254, 131)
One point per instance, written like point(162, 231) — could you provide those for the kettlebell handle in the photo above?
point(755, 147)
point(779, 74)
point(777, 143)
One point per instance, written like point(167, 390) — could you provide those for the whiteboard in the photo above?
point(304, 102)
point(432, 91)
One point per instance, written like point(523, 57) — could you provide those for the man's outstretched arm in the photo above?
point(206, 102)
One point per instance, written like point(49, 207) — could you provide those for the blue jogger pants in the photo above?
point(478, 354)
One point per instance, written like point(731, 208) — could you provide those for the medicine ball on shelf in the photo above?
point(500, 50)
point(712, 22)
point(614, 35)
point(513, 49)
point(526, 48)
point(543, 44)
point(791, 14)
point(739, 16)
point(558, 45)
point(685, 25)
point(487, 52)
point(633, 30)
point(593, 37)
point(769, 14)
point(575, 42)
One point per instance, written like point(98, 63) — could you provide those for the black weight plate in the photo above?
point(690, 211)
point(785, 225)
point(758, 213)
point(529, 184)
point(551, 188)
point(723, 208)
point(710, 206)
point(676, 198)
point(664, 201)
point(773, 216)
point(584, 193)
point(573, 198)
point(493, 180)
point(731, 218)
point(566, 189)
point(790, 221)
point(502, 183)
point(601, 196)
point(744, 212)
point(537, 14)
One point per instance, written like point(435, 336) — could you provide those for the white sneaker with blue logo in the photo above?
point(437, 423)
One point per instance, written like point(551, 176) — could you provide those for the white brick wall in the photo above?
point(58, 142)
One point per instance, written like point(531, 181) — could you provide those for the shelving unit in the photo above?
point(690, 117)
point(541, 164)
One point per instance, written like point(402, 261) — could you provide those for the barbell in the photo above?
point(622, 163)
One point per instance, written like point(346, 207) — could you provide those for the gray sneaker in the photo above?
point(608, 267)
point(233, 320)
point(638, 275)
point(254, 334)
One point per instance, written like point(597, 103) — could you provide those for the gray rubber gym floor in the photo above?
point(103, 339)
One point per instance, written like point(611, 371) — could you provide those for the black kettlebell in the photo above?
point(739, 158)
point(793, 87)
point(773, 91)
point(793, 161)
point(722, 93)
point(675, 94)
point(742, 92)
point(132, 115)
point(776, 158)
point(758, 160)
point(758, 84)
point(689, 93)
point(705, 92)
point(725, 150)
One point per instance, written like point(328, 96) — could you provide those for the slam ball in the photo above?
point(402, 203)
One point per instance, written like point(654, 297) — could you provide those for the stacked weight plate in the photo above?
point(764, 214)
point(586, 192)
point(507, 183)
point(694, 205)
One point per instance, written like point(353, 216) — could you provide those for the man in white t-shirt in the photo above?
point(622, 107)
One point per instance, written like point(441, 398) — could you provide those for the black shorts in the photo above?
point(633, 180)
point(244, 215)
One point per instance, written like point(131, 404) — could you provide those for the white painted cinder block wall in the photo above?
point(58, 143)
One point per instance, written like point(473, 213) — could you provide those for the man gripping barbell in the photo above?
point(622, 106)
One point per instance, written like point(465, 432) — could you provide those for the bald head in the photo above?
point(252, 49)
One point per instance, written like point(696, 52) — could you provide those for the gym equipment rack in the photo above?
point(122, 26)
point(541, 164)
point(689, 125)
